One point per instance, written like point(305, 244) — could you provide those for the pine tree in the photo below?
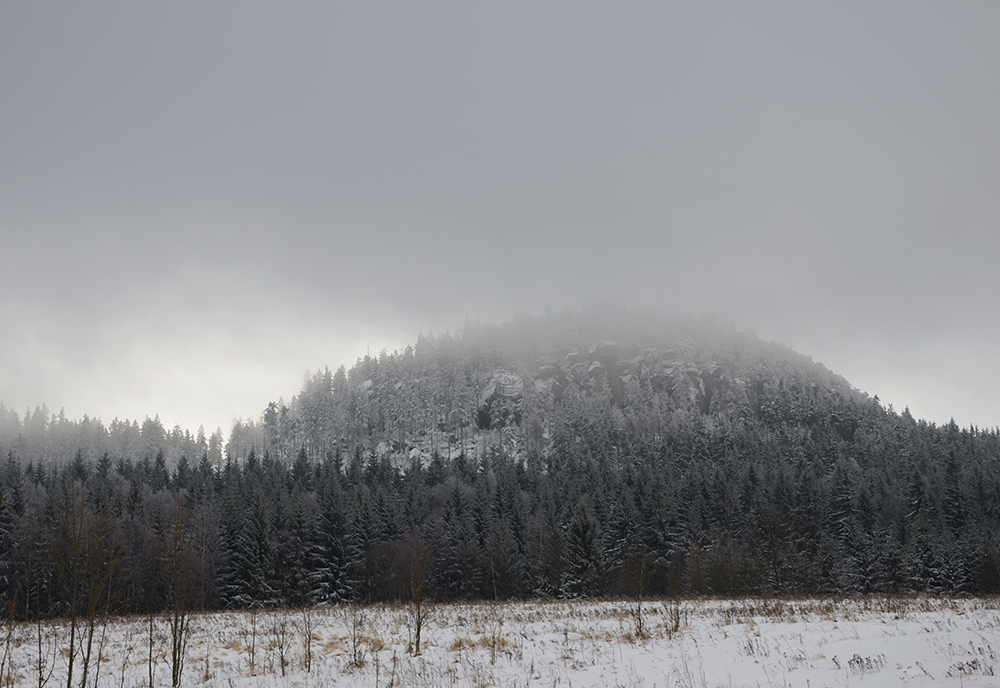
point(458, 559)
point(246, 578)
point(584, 574)
point(8, 545)
point(331, 578)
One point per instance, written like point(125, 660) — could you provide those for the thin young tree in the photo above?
point(416, 558)
point(88, 557)
point(181, 569)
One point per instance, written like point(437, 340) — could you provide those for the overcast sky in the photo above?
point(199, 201)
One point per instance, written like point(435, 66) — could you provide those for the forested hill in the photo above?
point(633, 381)
point(568, 455)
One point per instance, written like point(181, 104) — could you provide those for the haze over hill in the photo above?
point(519, 374)
point(634, 360)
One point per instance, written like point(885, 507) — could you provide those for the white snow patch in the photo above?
point(866, 642)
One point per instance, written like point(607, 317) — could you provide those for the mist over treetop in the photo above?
point(514, 378)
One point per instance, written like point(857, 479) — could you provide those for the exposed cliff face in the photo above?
point(501, 403)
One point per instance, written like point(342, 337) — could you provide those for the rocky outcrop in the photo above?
point(501, 401)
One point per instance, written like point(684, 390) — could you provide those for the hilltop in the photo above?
point(637, 373)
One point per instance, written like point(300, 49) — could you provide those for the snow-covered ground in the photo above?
point(712, 643)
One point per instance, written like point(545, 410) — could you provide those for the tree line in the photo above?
point(722, 465)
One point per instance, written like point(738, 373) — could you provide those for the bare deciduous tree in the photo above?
point(184, 586)
point(88, 554)
point(416, 558)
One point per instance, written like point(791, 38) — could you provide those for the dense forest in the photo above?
point(570, 455)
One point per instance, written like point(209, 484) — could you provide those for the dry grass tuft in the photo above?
point(374, 643)
point(334, 645)
point(461, 643)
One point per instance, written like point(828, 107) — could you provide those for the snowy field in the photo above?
point(711, 643)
